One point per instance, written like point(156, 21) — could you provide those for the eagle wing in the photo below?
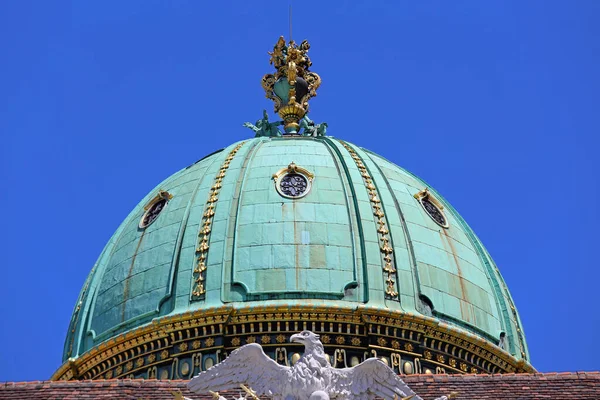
point(248, 365)
point(369, 379)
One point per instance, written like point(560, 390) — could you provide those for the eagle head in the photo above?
point(305, 338)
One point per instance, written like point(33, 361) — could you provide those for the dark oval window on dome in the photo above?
point(434, 212)
point(293, 181)
point(293, 185)
point(152, 213)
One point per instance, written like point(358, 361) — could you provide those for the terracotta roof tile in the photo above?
point(575, 385)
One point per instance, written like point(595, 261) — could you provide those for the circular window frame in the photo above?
point(425, 195)
point(161, 196)
point(293, 169)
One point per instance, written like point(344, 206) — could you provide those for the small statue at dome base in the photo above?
point(263, 127)
point(312, 129)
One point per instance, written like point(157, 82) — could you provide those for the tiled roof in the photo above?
point(568, 385)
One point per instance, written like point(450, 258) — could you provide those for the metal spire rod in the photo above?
point(290, 17)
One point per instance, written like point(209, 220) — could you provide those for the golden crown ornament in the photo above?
point(292, 85)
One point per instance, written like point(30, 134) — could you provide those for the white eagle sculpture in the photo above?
point(311, 378)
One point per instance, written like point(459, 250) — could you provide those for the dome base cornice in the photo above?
point(179, 346)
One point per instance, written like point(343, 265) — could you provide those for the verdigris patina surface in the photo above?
point(247, 249)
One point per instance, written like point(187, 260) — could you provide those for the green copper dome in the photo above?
point(229, 236)
point(288, 232)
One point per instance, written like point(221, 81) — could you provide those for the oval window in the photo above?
point(153, 210)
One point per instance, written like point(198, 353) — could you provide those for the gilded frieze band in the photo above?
point(182, 345)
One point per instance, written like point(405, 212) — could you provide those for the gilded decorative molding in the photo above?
point(292, 85)
point(383, 232)
point(162, 195)
point(204, 335)
point(199, 276)
point(436, 338)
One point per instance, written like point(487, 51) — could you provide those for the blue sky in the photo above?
point(494, 103)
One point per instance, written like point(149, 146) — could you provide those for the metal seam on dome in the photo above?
point(500, 278)
point(382, 230)
point(89, 287)
point(516, 318)
point(130, 274)
point(236, 204)
point(199, 275)
point(112, 243)
point(337, 161)
point(75, 319)
point(361, 235)
point(101, 267)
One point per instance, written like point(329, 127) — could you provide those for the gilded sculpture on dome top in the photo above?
point(283, 54)
point(292, 85)
point(277, 55)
